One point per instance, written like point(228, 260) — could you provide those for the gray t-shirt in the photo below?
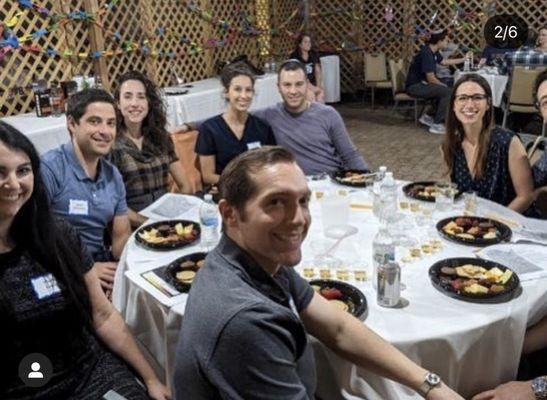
point(317, 137)
point(241, 335)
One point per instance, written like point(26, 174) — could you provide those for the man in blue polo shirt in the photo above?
point(83, 187)
point(422, 81)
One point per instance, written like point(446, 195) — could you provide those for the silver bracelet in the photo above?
point(539, 386)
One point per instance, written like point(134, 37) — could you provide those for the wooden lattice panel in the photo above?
point(335, 31)
point(129, 22)
point(383, 29)
point(77, 40)
point(533, 12)
point(185, 60)
point(232, 11)
point(20, 68)
point(281, 10)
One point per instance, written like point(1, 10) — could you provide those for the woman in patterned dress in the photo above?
point(480, 156)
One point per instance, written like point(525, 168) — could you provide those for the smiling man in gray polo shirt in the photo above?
point(244, 334)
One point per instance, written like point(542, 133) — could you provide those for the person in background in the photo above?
point(539, 169)
point(143, 151)
point(235, 131)
point(491, 56)
point(480, 156)
point(51, 301)
point(86, 189)
point(307, 56)
point(422, 81)
point(250, 339)
point(534, 52)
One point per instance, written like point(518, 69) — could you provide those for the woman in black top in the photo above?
point(51, 301)
point(235, 131)
point(310, 59)
point(480, 156)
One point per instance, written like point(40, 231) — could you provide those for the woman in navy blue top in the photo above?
point(480, 156)
point(225, 136)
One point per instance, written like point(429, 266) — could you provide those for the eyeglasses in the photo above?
point(542, 104)
point(476, 98)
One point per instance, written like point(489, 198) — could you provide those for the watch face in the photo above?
point(433, 379)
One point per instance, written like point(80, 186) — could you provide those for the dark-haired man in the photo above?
point(248, 314)
point(315, 133)
point(539, 169)
point(83, 187)
point(422, 81)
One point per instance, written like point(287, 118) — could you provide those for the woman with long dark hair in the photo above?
point(225, 136)
point(144, 152)
point(306, 55)
point(481, 156)
point(51, 301)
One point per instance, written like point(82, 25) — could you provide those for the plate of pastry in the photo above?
point(182, 271)
point(475, 231)
point(342, 295)
point(168, 235)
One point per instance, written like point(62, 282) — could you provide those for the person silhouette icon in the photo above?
point(35, 374)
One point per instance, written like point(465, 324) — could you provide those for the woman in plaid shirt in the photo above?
point(144, 152)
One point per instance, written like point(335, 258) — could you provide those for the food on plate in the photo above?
point(427, 191)
point(354, 177)
point(340, 304)
point(471, 228)
point(474, 279)
point(186, 276)
point(165, 233)
point(200, 263)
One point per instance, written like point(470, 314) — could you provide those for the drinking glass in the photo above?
point(335, 214)
point(470, 202)
point(445, 195)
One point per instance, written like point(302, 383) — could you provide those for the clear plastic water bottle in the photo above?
point(383, 252)
point(388, 196)
point(208, 215)
point(381, 173)
point(466, 65)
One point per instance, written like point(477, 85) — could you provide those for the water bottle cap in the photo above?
point(383, 168)
point(208, 197)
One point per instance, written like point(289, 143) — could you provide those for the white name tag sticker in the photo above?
point(78, 207)
point(254, 145)
point(45, 286)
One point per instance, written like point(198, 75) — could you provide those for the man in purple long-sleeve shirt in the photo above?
point(314, 132)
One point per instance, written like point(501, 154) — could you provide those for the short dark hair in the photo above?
point(78, 102)
point(437, 37)
point(292, 65)
point(236, 183)
point(542, 77)
point(231, 71)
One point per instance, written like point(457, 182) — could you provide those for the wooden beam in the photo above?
point(96, 40)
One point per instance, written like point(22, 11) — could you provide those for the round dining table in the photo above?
point(473, 347)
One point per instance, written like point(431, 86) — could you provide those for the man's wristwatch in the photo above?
point(539, 386)
point(431, 380)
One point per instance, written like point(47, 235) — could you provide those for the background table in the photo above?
point(45, 133)
point(330, 75)
point(497, 83)
point(205, 99)
point(458, 340)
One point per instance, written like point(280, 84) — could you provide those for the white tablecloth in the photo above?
point(205, 99)
point(330, 74)
point(497, 84)
point(472, 346)
point(45, 133)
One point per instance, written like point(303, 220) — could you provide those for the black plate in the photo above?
point(337, 177)
point(349, 292)
point(167, 246)
point(407, 190)
point(509, 293)
point(505, 232)
point(174, 267)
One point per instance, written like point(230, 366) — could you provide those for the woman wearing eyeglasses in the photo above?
point(483, 157)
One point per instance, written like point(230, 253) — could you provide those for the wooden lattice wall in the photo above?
point(363, 24)
point(181, 48)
